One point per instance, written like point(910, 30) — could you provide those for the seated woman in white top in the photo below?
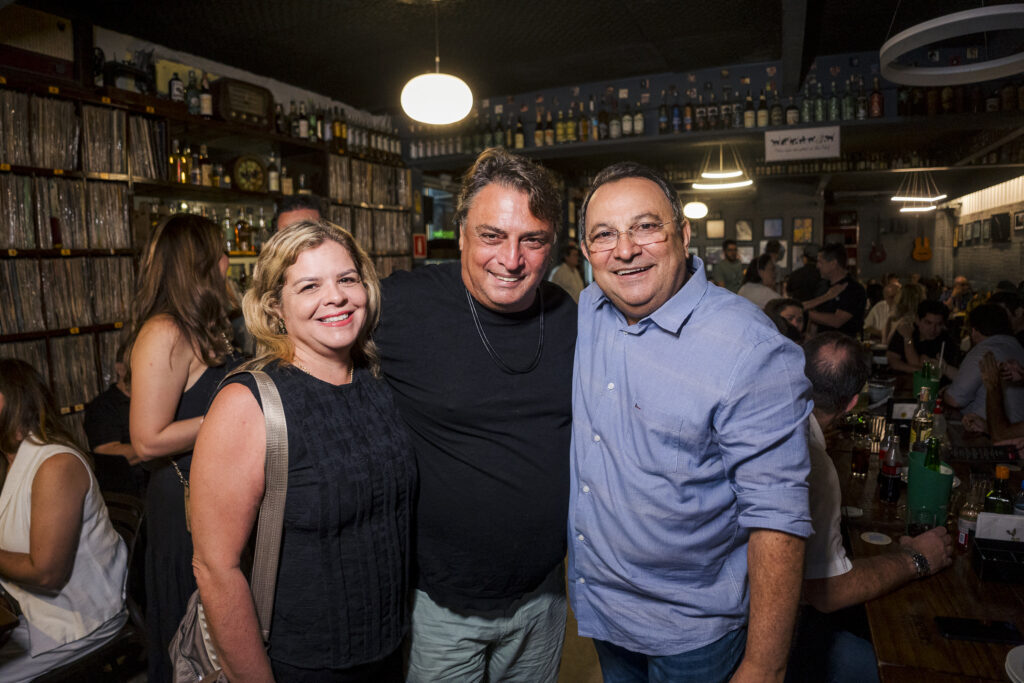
point(759, 281)
point(60, 558)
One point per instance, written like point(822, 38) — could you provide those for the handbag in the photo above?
point(193, 656)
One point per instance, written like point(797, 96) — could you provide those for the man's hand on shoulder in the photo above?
point(935, 544)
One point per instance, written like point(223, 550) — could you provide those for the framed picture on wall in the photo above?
point(745, 231)
point(712, 255)
point(1001, 227)
point(773, 227)
point(1018, 221)
point(798, 255)
point(746, 253)
point(716, 229)
point(803, 230)
point(986, 229)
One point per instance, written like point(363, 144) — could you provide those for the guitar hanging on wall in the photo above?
point(922, 247)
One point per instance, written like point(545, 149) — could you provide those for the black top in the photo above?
point(930, 347)
point(197, 399)
point(492, 447)
point(342, 586)
point(853, 300)
point(106, 421)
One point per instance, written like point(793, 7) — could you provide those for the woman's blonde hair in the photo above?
point(263, 300)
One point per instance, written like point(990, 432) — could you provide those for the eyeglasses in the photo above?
point(641, 234)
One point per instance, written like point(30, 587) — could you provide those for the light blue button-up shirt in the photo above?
point(689, 431)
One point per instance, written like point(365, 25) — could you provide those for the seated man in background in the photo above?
point(911, 346)
point(959, 296)
point(728, 272)
point(117, 465)
point(837, 367)
point(990, 331)
point(874, 324)
point(567, 274)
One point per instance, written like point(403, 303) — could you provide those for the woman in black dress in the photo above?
point(340, 608)
point(179, 351)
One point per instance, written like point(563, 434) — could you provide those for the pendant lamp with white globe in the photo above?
point(437, 98)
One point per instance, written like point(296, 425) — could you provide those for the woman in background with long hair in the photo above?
point(179, 350)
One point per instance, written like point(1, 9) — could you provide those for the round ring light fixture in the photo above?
point(958, 24)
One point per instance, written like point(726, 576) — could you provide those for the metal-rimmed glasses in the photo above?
point(641, 234)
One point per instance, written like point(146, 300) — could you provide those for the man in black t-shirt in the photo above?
point(909, 349)
point(843, 312)
point(479, 355)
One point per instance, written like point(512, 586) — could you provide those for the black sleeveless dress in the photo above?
point(169, 578)
point(341, 604)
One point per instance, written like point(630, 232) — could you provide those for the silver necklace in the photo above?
point(505, 367)
point(300, 366)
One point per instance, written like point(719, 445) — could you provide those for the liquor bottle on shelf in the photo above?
point(205, 166)
point(538, 132)
point(303, 127)
point(569, 127)
point(176, 88)
point(280, 124)
point(749, 115)
point(549, 130)
point(243, 234)
point(999, 499)
point(638, 120)
point(175, 161)
point(688, 115)
point(205, 98)
point(738, 113)
point(595, 123)
point(510, 134)
point(227, 228)
point(498, 133)
point(862, 101)
point(876, 105)
point(192, 95)
point(186, 166)
point(677, 112)
point(848, 107)
point(776, 116)
point(560, 129)
point(792, 113)
point(626, 122)
point(700, 114)
point(582, 125)
point(341, 132)
point(260, 233)
point(820, 107)
point(520, 138)
point(614, 122)
point(273, 175)
point(293, 120)
point(762, 111)
point(663, 121)
point(807, 105)
point(287, 184)
point(603, 125)
point(833, 104)
point(327, 119)
point(725, 110)
point(311, 124)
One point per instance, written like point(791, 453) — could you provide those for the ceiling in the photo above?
point(362, 51)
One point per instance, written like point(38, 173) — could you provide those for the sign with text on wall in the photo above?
point(801, 143)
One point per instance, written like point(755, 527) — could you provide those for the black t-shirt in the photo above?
point(492, 447)
point(853, 300)
point(106, 421)
point(931, 347)
point(805, 283)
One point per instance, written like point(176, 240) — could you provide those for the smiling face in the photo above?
point(637, 279)
point(505, 249)
point(323, 303)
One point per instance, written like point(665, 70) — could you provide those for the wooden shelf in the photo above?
point(64, 253)
point(63, 332)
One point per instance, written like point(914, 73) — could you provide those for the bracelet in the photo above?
point(920, 562)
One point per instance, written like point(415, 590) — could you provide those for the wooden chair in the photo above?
point(123, 656)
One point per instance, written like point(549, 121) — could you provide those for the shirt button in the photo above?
point(611, 385)
point(597, 437)
point(586, 489)
point(580, 537)
point(581, 580)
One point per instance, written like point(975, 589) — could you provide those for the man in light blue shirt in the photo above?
point(688, 503)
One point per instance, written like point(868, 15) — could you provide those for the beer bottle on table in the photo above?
point(921, 423)
point(999, 499)
point(889, 474)
point(967, 520)
point(931, 458)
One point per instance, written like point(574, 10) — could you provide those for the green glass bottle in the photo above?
point(931, 458)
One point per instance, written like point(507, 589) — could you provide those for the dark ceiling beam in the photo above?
point(794, 45)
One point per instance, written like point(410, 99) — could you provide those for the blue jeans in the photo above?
point(712, 663)
point(520, 644)
point(825, 651)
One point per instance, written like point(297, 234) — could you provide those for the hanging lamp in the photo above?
point(918, 193)
point(722, 176)
point(437, 98)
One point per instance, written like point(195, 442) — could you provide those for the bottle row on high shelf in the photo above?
point(244, 229)
point(960, 99)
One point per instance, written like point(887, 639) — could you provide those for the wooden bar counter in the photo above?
point(907, 642)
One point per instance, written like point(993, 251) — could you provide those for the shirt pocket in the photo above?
point(666, 438)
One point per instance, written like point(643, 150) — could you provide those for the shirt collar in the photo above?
point(673, 313)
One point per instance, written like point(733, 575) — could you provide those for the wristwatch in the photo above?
point(920, 563)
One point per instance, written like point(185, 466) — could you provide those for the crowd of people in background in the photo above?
point(455, 432)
